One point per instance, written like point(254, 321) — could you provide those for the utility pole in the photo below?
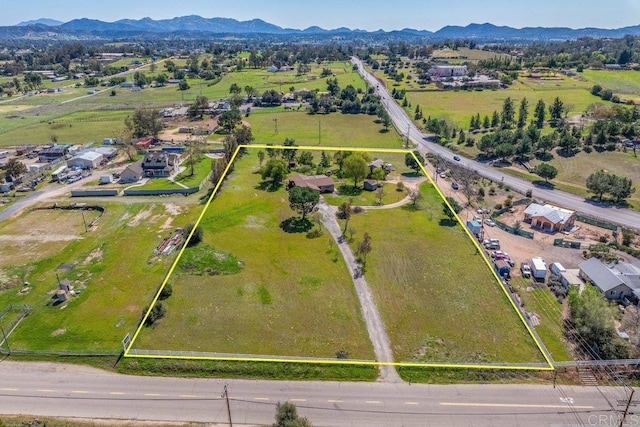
point(626, 410)
point(319, 132)
point(84, 221)
point(225, 394)
point(276, 122)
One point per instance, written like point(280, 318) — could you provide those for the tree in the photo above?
point(15, 168)
point(415, 196)
point(144, 122)
point(451, 214)
point(598, 183)
point(594, 320)
point(183, 85)
point(303, 200)
point(325, 160)
point(555, 111)
point(486, 124)
point(250, 91)
point(193, 154)
point(287, 416)
point(197, 108)
point(364, 247)
point(386, 119)
point(495, 119)
point(546, 171)
point(306, 158)
point(230, 119)
point(274, 170)
point(523, 113)
point(539, 114)
point(620, 188)
point(345, 210)
point(235, 89)
point(355, 166)
point(508, 113)
point(260, 157)
point(411, 162)
point(380, 193)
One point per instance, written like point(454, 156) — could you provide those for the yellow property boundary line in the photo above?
point(539, 345)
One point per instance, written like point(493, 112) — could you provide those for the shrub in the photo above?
point(314, 233)
point(166, 292)
point(157, 312)
point(400, 186)
point(481, 192)
point(498, 206)
point(197, 235)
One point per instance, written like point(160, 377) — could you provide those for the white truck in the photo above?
point(538, 268)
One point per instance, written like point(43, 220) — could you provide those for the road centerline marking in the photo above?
point(8, 389)
point(79, 391)
point(514, 405)
point(372, 401)
point(188, 395)
point(116, 392)
point(297, 400)
point(260, 398)
point(334, 401)
point(411, 403)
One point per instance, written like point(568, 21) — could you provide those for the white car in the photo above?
point(490, 222)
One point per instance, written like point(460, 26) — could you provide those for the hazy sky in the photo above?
point(363, 14)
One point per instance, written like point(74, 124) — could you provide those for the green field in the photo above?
point(439, 300)
point(459, 106)
point(330, 130)
point(621, 82)
point(293, 295)
point(114, 270)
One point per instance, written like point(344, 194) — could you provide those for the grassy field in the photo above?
point(330, 130)
point(459, 106)
point(621, 82)
point(573, 171)
point(360, 197)
point(439, 300)
point(293, 295)
point(114, 279)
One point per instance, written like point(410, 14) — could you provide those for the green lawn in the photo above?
point(361, 197)
point(200, 171)
point(293, 295)
point(439, 300)
point(112, 270)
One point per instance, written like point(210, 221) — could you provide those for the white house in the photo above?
point(443, 71)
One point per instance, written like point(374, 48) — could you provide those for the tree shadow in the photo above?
point(296, 225)
point(413, 174)
point(567, 153)
point(544, 157)
point(349, 190)
point(383, 130)
point(448, 222)
point(544, 184)
point(268, 186)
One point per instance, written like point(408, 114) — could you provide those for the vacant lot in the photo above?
point(439, 300)
point(331, 130)
point(292, 295)
point(112, 267)
point(621, 82)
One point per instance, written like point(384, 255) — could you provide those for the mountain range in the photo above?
point(198, 25)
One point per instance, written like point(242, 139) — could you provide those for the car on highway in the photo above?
point(455, 185)
point(490, 222)
point(443, 175)
point(456, 158)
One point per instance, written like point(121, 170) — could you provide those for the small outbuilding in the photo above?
point(370, 185)
point(87, 160)
point(106, 179)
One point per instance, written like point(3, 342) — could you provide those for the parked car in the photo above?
point(456, 158)
point(525, 269)
point(455, 185)
point(490, 222)
point(443, 175)
point(499, 255)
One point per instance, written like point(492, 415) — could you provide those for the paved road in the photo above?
point(370, 312)
point(406, 126)
point(47, 389)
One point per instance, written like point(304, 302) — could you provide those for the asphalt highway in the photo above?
point(424, 142)
point(50, 389)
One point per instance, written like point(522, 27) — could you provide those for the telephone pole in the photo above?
point(626, 410)
point(319, 132)
point(276, 122)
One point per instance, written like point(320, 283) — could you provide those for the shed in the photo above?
point(370, 185)
point(107, 152)
point(570, 277)
point(38, 167)
point(106, 179)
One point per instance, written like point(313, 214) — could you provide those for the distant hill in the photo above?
point(41, 21)
point(194, 26)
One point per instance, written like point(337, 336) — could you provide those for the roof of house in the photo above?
point(312, 181)
point(134, 167)
point(551, 213)
point(600, 274)
point(377, 163)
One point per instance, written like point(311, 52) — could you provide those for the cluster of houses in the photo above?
point(457, 76)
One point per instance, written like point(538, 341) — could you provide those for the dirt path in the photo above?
point(410, 184)
point(370, 313)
